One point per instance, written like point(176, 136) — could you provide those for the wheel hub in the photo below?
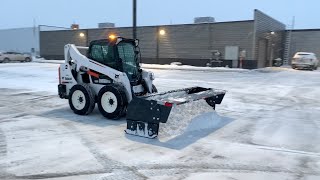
point(80, 99)
point(109, 102)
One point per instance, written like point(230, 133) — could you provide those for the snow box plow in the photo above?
point(144, 114)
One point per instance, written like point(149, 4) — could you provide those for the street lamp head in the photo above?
point(81, 35)
point(162, 32)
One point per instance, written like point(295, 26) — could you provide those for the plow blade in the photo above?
point(144, 114)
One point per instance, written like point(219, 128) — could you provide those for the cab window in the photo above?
point(103, 54)
point(128, 58)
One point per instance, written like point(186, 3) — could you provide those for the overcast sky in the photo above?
point(87, 13)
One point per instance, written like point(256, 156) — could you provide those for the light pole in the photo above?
point(134, 27)
point(272, 34)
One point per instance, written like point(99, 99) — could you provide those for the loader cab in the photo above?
point(120, 54)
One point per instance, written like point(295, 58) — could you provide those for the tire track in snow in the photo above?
point(108, 164)
point(3, 144)
point(226, 167)
point(3, 154)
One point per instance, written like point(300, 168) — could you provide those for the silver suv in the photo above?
point(305, 60)
point(6, 57)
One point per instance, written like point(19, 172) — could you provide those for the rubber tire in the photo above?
point(6, 60)
point(315, 67)
point(211, 103)
point(27, 59)
point(90, 99)
point(122, 101)
point(154, 89)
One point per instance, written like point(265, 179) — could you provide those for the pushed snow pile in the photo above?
point(176, 63)
point(176, 66)
point(41, 60)
point(194, 116)
point(274, 69)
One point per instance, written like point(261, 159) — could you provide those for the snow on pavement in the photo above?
point(267, 127)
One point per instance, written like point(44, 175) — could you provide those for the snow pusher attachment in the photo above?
point(144, 114)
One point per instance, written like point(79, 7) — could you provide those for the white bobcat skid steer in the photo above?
point(110, 75)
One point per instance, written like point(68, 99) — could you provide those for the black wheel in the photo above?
point(211, 102)
point(154, 89)
point(27, 59)
point(112, 101)
point(6, 60)
point(315, 67)
point(81, 99)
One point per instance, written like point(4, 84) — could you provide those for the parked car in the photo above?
point(305, 60)
point(14, 56)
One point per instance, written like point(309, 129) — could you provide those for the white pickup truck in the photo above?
point(305, 60)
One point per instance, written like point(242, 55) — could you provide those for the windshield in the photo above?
point(129, 62)
point(103, 54)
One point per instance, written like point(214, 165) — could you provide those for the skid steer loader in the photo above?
point(110, 75)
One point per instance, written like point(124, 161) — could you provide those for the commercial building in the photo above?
point(23, 40)
point(256, 41)
point(247, 44)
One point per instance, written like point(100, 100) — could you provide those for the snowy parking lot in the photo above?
point(267, 127)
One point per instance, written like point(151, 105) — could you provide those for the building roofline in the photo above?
point(189, 24)
point(30, 27)
point(16, 28)
point(165, 25)
point(257, 10)
point(298, 30)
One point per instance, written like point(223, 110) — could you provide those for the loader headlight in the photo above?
point(152, 76)
point(112, 37)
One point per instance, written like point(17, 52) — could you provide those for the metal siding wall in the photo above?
point(233, 34)
point(185, 42)
point(264, 24)
point(148, 41)
point(52, 42)
point(189, 43)
point(146, 35)
point(95, 34)
point(306, 41)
